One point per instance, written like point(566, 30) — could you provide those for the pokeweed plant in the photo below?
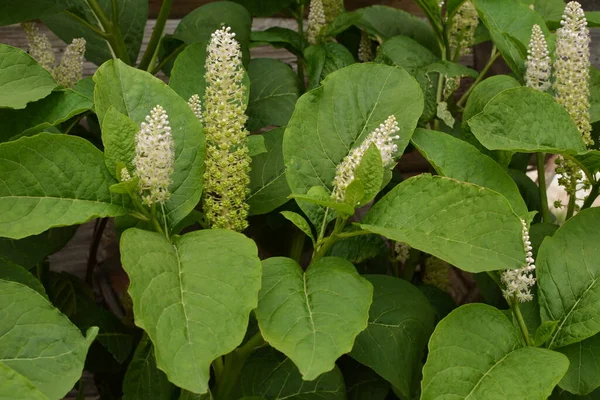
point(272, 248)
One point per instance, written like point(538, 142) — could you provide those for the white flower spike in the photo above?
point(316, 21)
point(538, 65)
point(518, 282)
point(40, 47)
point(154, 157)
point(464, 23)
point(196, 106)
point(70, 70)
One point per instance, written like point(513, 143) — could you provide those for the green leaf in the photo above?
point(134, 93)
point(30, 251)
point(193, 297)
point(318, 195)
point(589, 162)
point(400, 322)
point(471, 227)
point(280, 37)
point(323, 59)
point(459, 160)
point(256, 145)
point(22, 79)
point(132, 15)
point(264, 8)
point(118, 138)
point(185, 395)
point(17, 387)
point(13, 12)
point(544, 331)
point(370, 173)
point(359, 248)
point(509, 23)
point(274, 89)
point(526, 120)
point(476, 353)
point(338, 116)
point(568, 273)
point(550, 10)
point(485, 91)
point(198, 25)
point(299, 221)
point(583, 376)
point(363, 383)
point(270, 375)
point(594, 94)
point(441, 301)
point(268, 187)
point(52, 180)
point(39, 343)
point(450, 69)
point(406, 53)
point(143, 379)
point(16, 273)
point(312, 317)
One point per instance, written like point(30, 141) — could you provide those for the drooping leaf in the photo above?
point(312, 317)
point(406, 53)
point(450, 69)
point(13, 11)
point(322, 60)
point(143, 379)
point(193, 297)
point(476, 353)
point(568, 273)
point(583, 376)
point(459, 160)
point(280, 37)
point(471, 227)
point(134, 93)
point(270, 375)
point(39, 346)
point(526, 120)
point(299, 221)
point(52, 180)
point(31, 250)
point(400, 322)
point(268, 186)
point(12, 272)
point(484, 92)
point(338, 116)
point(22, 79)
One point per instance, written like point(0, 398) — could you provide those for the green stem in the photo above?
point(234, 362)
point(86, 24)
point(514, 306)
point(218, 367)
point(493, 56)
point(572, 198)
point(155, 220)
point(152, 49)
point(92, 257)
point(115, 12)
point(168, 58)
point(541, 169)
point(440, 90)
point(112, 32)
point(323, 226)
point(589, 200)
point(408, 271)
point(81, 390)
point(297, 245)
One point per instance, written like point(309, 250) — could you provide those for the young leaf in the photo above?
point(22, 79)
point(143, 379)
point(338, 116)
point(118, 137)
point(268, 186)
point(15, 273)
point(400, 322)
point(53, 362)
point(193, 297)
point(526, 120)
point(268, 374)
point(459, 160)
point(312, 317)
point(583, 376)
point(52, 180)
point(323, 59)
point(476, 353)
point(134, 93)
point(471, 227)
point(300, 223)
point(568, 273)
point(370, 173)
point(318, 195)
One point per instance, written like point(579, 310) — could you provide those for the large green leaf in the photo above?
point(338, 116)
point(134, 93)
point(270, 375)
point(39, 346)
point(12, 272)
point(187, 75)
point(568, 272)
point(31, 250)
point(143, 379)
point(323, 59)
point(193, 297)
point(22, 79)
point(118, 138)
point(594, 94)
point(14, 11)
point(312, 317)
point(476, 353)
point(58, 107)
point(198, 25)
point(459, 160)
point(268, 186)
point(484, 92)
point(509, 23)
point(471, 227)
point(132, 15)
point(279, 37)
point(400, 322)
point(406, 53)
point(526, 120)
point(583, 376)
point(274, 89)
point(52, 180)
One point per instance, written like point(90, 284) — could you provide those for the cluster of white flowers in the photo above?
point(537, 75)
point(518, 282)
point(154, 157)
point(227, 161)
point(125, 176)
point(383, 137)
point(196, 106)
point(365, 53)
point(464, 23)
point(316, 21)
point(402, 251)
point(571, 68)
point(70, 69)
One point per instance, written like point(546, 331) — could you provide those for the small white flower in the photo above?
point(402, 251)
point(464, 23)
point(154, 157)
point(40, 47)
point(70, 70)
point(196, 106)
point(383, 137)
point(125, 177)
point(316, 21)
point(518, 282)
point(538, 65)
point(365, 53)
